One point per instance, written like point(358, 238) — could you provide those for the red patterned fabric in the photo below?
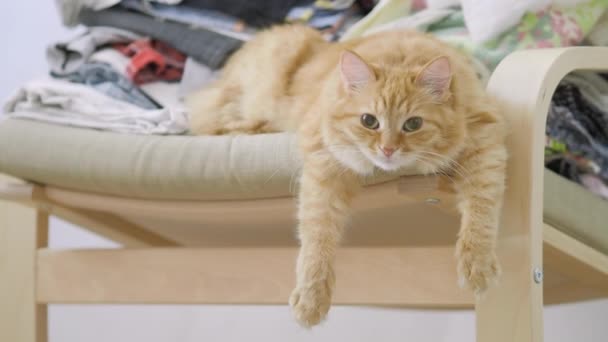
point(152, 60)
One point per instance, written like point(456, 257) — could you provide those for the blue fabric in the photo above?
point(105, 79)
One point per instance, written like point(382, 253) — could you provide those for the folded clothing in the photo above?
point(258, 13)
point(103, 78)
point(581, 127)
point(67, 56)
point(66, 103)
point(152, 60)
point(384, 12)
point(486, 20)
point(555, 26)
point(327, 16)
point(110, 56)
point(198, 17)
point(206, 46)
point(577, 131)
point(70, 9)
point(163, 94)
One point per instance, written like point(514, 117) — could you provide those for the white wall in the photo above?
point(26, 26)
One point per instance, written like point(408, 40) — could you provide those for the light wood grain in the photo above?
point(406, 217)
point(15, 189)
point(412, 277)
point(575, 260)
point(105, 224)
point(373, 276)
point(22, 231)
point(524, 82)
point(112, 227)
point(241, 212)
point(572, 292)
point(573, 271)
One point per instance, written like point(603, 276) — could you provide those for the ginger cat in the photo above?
point(380, 102)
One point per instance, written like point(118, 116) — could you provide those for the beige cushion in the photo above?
point(153, 167)
point(216, 168)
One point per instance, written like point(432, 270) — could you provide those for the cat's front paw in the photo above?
point(310, 302)
point(478, 267)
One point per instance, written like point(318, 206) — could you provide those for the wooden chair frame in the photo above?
point(155, 267)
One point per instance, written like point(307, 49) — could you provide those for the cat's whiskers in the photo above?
point(455, 166)
point(439, 171)
point(451, 161)
point(430, 164)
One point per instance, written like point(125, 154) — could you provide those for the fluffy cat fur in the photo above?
point(289, 79)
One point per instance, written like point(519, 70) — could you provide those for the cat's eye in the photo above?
point(412, 124)
point(369, 121)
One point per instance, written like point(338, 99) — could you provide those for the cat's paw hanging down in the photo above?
point(384, 102)
point(478, 266)
point(310, 301)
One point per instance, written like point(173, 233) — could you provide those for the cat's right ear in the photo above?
point(436, 77)
point(355, 73)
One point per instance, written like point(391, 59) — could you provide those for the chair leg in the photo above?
point(512, 311)
point(22, 231)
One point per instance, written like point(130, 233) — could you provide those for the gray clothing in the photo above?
point(208, 47)
point(69, 10)
point(579, 124)
point(197, 17)
point(260, 13)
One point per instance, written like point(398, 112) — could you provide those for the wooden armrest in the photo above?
point(524, 83)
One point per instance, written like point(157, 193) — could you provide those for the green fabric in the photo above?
point(154, 167)
point(576, 211)
point(554, 26)
point(385, 11)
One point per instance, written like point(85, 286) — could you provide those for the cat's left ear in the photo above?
point(355, 73)
point(436, 77)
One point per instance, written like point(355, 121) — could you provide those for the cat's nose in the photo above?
point(388, 151)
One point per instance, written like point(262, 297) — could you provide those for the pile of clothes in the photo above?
point(488, 31)
point(577, 131)
point(138, 59)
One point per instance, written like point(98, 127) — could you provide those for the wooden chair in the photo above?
point(243, 252)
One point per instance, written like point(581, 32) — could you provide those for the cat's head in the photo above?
point(390, 117)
